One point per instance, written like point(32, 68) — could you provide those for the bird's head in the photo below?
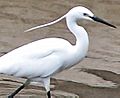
point(80, 12)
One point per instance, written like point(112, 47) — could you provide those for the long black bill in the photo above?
point(102, 21)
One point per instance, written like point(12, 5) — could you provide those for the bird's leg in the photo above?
point(19, 89)
point(46, 82)
point(49, 94)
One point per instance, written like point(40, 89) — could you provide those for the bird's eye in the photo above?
point(85, 14)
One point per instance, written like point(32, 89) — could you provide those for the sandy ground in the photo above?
point(97, 76)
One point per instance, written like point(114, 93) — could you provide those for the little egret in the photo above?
point(39, 60)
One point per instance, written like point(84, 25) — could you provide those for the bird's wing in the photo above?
point(24, 59)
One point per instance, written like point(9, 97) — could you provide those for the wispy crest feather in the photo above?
point(45, 25)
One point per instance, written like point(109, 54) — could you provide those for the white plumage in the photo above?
point(40, 58)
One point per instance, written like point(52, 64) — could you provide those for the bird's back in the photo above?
point(35, 56)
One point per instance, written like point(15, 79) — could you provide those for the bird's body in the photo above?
point(39, 60)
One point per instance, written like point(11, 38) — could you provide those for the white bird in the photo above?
point(39, 60)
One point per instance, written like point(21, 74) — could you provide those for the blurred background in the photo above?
point(97, 76)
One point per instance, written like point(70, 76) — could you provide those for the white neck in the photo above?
point(82, 41)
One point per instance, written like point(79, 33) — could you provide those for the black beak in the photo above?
point(102, 21)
